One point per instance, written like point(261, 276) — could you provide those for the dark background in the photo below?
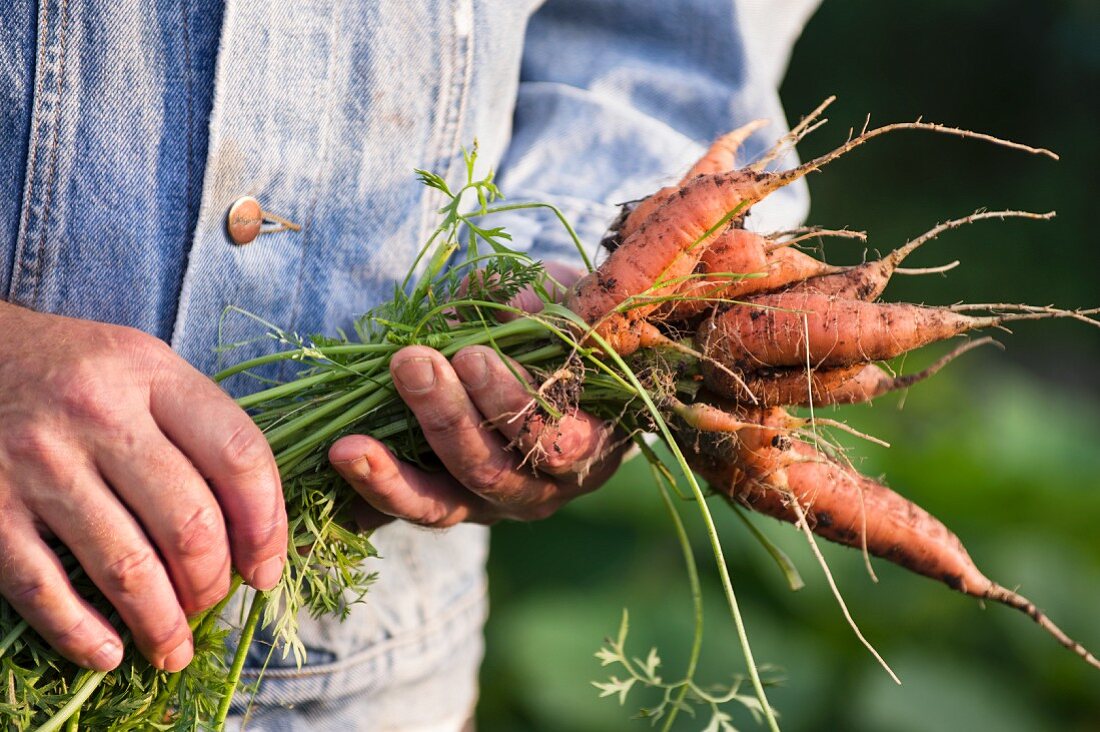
point(1003, 446)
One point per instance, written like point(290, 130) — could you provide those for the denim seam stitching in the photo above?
point(189, 92)
point(34, 144)
point(436, 625)
point(51, 175)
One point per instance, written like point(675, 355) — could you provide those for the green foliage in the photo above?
point(683, 695)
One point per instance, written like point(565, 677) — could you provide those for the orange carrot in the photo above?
point(773, 470)
point(654, 261)
point(779, 268)
point(853, 384)
point(666, 246)
point(792, 329)
point(720, 158)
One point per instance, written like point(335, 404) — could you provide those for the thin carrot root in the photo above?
point(866, 135)
point(927, 270)
point(868, 281)
point(808, 124)
point(790, 238)
point(1021, 603)
point(824, 422)
point(779, 180)
point(1013, 312)
point(804, 526)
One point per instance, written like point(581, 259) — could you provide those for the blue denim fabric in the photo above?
point(123, 147)
point(114, 155)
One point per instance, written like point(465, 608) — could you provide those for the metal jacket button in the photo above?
point(244, 220)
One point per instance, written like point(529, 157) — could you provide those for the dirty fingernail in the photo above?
point(357, 469)
point(472, 369)
point(416, 375)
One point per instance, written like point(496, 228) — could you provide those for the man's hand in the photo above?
point(503, 460)
point(144, 468)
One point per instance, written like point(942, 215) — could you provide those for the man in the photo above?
point(131, 128)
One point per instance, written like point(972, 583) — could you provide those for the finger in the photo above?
point(567, 447)
point(37, 587)
point(177, 509)
point(367, 517)
point(399, 490)
point(109, 544)
point(452, 425)
point(231, 452)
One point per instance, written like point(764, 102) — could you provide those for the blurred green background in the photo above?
point(1003, 446)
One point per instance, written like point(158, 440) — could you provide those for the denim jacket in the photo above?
point(128, 128)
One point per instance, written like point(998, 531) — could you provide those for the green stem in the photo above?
point(524, 327)
point(200, 626)
point(288, 458)
point(296, 387)
point(786, 566)
point(561, 217)
point(12, 636)
point(298, 353)
point(708, 521)
point(259, 600)
point(73, 725)
point(87, 682)
point(696, 598)
point(284, 432)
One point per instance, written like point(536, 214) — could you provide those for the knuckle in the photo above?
point(34, 443)
point(245, 451)
point(72, 635)
point(261, 537)
point(132, 573)
point(32, 593)
point(200, 535)
point(439, 516)
point(167, 637)
point(82, 395)
point(443, 420)
point(488, 479)
point(136, 344)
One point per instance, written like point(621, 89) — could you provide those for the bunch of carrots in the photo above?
point(694, 328)
point(772, 327)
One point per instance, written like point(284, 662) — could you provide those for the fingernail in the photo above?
point(180, 657)
point(416, 375)
point(359, 468)
point(472, 369)
point(267, 574)
point(107, 656)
